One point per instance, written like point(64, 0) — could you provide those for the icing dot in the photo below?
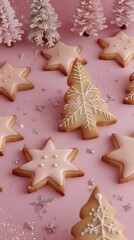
point(121, 38)
point(126, 47)
point(55, 165)
point(41, 165)
point(130, 41)
point(55, 156)
point(4, 80)
point(4, 71)
point(115, 45)
point(10, 76)
point(98, 197)
point(44, 157)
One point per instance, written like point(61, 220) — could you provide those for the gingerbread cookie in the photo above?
point(119, 48)
point(7, 134)
point(129, 99)
point(48, 166)
point(61, 57)
point(13, 80)
point(122, 156)
point(98, 221)
point(84, 108)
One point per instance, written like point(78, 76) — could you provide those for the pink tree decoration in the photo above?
point(89, 18)
point(9, 26)
point(123, 13)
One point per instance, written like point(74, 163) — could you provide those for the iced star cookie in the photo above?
point(48, 166)
point(13, 80)
point(61, 57)
point(119, 48)
point(122, 156)
point(7, 133)
point(98, 220)
point(129, 99)
point(84, 108)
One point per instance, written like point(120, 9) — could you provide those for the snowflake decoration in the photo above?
point(100, 215)
point(41, 205)
point(51, 227)
point(84, 102)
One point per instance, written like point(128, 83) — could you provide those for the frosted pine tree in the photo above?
point(129, 99)
point(44, 23)
point(84, 108)
point(10, 30)
point(89, 18)
point(98, 222)
point(123, 13)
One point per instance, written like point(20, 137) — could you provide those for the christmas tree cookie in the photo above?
point(84, 108)
point(129, 99)
point(48, 166)
point(97, 220)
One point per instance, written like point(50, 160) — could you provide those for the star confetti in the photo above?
point(119, 48)
point(51, 227)
point(13, 80)
point(48, 166)
point(61, 57)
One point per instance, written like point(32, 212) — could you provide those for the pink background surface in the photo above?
point(64, 211)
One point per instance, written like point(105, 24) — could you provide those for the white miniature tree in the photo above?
point(123, 13)
point(89, 18)
point(10, 30)
point(44, 23)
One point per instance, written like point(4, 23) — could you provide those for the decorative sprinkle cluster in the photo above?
point(126, 206)
point(41, 206)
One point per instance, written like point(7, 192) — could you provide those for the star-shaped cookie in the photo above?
point(129, 99)
point(13, 80)
point(48, 166)
point(61, 57)
point(119, 48)
point(7, 134)
point(122, 156)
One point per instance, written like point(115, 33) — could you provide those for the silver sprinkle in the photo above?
point(90, 150)
point(51, 227)
point(36, 131)
point(127, 206)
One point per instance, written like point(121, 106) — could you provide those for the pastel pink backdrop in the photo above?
point(37, 126)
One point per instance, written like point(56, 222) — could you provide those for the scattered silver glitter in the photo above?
point(116, 80)
point(127, 207)
point(15, 161)
point(29, 225)
point(59, 91)
point(118, 197)
point(90, 150)
point(56, 104)
point(36, 51)
point(41, 205)
point(21, 56)
point(43, 89)
point(51, 227)
point(91, 182)
point(110, 97)
point(39, 108)
point(36, 131)
point(20, 124)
